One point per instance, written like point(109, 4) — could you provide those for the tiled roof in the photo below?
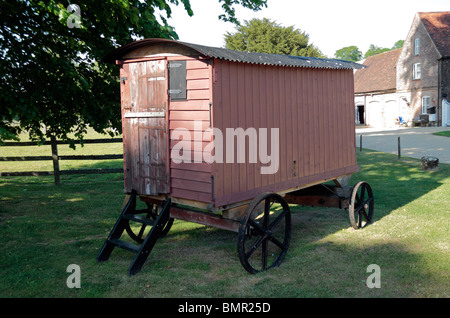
point(438, 26)
point(380, 74)
point(238, 56)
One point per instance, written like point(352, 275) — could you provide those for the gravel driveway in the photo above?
point(415, 142)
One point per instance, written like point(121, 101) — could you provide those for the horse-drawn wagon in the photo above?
point(228, 139)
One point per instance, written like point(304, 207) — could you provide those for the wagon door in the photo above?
point(145, 127)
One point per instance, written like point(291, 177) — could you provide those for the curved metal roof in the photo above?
point(238, 56)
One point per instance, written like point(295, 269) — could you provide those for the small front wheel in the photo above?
point(361, 205)
point(264, 233)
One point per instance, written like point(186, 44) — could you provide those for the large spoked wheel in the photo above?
point(264, 233)
point(361, 205)
point(153, 213)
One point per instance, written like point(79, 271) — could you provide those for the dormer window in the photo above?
point(416, 46)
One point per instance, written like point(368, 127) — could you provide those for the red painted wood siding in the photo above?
point(313, 109)
point(192, 180)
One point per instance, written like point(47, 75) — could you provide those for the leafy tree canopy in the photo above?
point(53, 83)
point(398, 44)
point(352, 53)
point(373, 50)
point(266, 36)
point(349, 53)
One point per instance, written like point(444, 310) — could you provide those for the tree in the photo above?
point(266, 36)
point(349, 53)
point(398, 44)
point(373, 50)
point(53, 82)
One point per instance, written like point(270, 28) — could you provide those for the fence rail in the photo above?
point(55, 158)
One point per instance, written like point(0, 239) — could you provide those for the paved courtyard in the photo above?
point(415, 142)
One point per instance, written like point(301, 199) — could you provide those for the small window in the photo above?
point(416, 46)
point(425, 104)
point(177, 80)
point(417, 71)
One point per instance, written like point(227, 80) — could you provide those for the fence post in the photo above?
point(399, 149)
point(55, 160)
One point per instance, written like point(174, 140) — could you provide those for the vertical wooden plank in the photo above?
point(294, 122)
point(233, 123)
point(341, 117)
point(251, 121)
point(322, 120)
point(268, 118)
point(265, 94)
point(253, 84)
point(310, 112)
point(226, 120)
point(316, 126)
point(145, 152)
point(333, 120)
point(289, 114)
point(299, 122)
point(352, 122)
point(134, 153)
point(326, 101)
point(240, 91)
point(274, 178)
point(281, 111)
point(217, 107)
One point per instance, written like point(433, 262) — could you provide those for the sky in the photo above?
point(331, 24)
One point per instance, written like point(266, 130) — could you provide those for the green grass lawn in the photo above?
point(443, 133)
point(44, 228)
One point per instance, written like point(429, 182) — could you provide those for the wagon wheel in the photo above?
point(264, 233)
point(361, 205)
point(153, 213)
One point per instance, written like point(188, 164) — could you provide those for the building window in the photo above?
point(177, 80)
point(417, 71)
point(425, 104)
point(416, 46)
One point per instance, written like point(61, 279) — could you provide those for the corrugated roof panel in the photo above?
point(238, 56)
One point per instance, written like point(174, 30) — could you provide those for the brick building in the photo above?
point(412, 83)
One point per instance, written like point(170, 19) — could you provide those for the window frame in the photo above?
point(417, 46)
point(177, 80)
point(417, 71)
point(424, 106)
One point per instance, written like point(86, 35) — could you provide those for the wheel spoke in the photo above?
point(256, 227)
point(363, 191)
point(264, 254)
point(254, 247)
point(277, 220)
point(277, 242)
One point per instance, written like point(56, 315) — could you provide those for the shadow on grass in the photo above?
point(51, 227)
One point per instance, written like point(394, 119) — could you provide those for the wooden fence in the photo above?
point(55, 158)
